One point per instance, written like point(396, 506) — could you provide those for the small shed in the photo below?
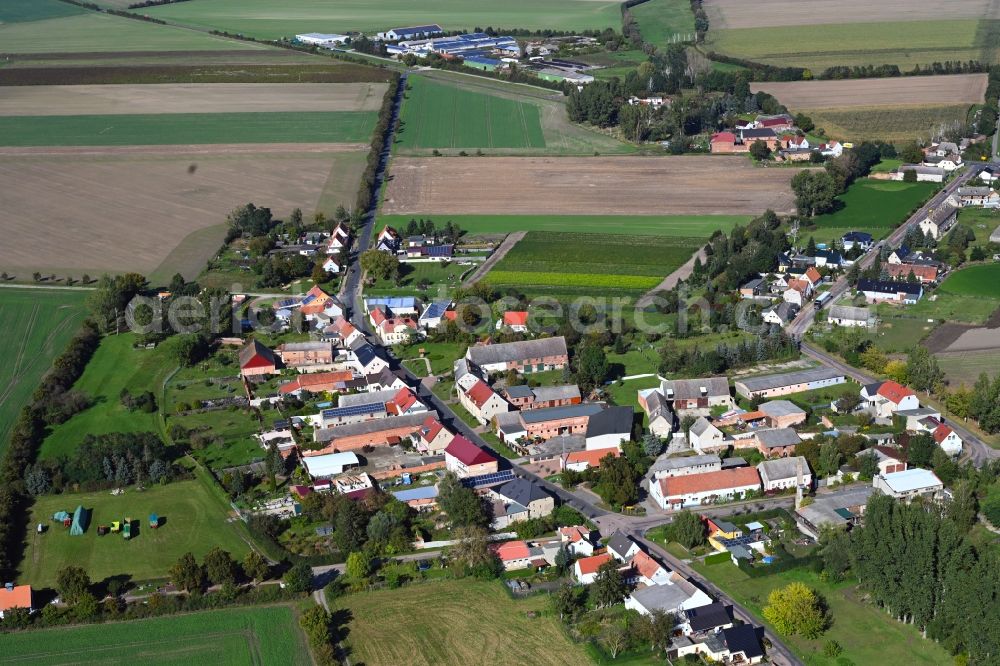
point(154, 521)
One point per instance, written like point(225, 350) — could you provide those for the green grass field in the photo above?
point(37, 326)
point(90, 32)
point(867, 634)
point(584, 263)
point(662, 22)
point(192, 520)
point(188, 128)
point(261, 635)
point(874, 204)
point(260, 19)
point(639, 225)
point(896, 124)
point(905, 43)
point(437, 115)
point(982, 281)
point(439, 275)
point(114, 366)
point(965, 367)
point(19, 11)
point(455, 622)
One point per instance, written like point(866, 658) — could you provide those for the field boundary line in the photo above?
point(506, 246)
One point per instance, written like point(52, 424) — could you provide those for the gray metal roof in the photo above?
point(780, 408)
point(690, 389)
point(561, 392)
point(611, 421)
point(565, 412)
point(941, 214)
point(522, 491)
point(664, 462)
point(370, 427)
point(768, 382)
point(701, 426)
point(778, 437)
point(620, 542)
point(517, 351)
point(782, 468)
point(849, 312)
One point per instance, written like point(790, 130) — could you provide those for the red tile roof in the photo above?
point(589, 565)
point(479, 393)
point(512, 550)
point(923, 273)
point(430, 428)
point(19, 597)
point(645, 565)
point(467, 453)
point(722, 480)
point(890, 452)
point(515, 318)
point(813, 275)
point(800, 286)
point(893, 391)
point(317, 381)
point(344, 328)
point(402, 401)
point(723, 137)
point(593, 457)
point(941, 433)
point(575, 533)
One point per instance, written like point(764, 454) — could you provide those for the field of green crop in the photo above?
point(261, 18)
point(192, 520)
point(662, 22)
point(37, 326)
point(965, 367)
point(19, 11)
point(640, 225)
point(590, 263)
point(897, 124)
point(875, 205)
point(826, 45)
point(188, 128)
point(437, 115)
point(90, 32)
point(981, 281)
point(262, 635)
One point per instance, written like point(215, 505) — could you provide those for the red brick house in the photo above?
point(256, 360)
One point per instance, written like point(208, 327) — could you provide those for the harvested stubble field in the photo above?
point(897, 124)
point(902, 91)
point(965, 367)
point(586, 186)
point(724, 14)
point(631, 225)
point(127, 209)
point(185, 98)
point(473, 623)
point(262, 635)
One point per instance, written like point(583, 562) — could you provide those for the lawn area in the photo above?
point(192, 519)
point(582, 263)
point(260, 635)
point(873, 205)
point(188, 128)
point(439, 276)
point(662, 22)
point(867, 634)
point(899, 334)
point(116, 365)
point(37, 327)
point(823, 45)
point(438, 115)
point(982, 281)
point(626, 393)
point(628, 225)
point(442, 355)
point(633, 362)
point(947, 306)
point(472, 621)
point(982, 221)
point(261, 19)
point(885, 166)
point(87, 32)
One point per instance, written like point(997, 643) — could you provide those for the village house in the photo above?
point(346, 331)
point(943, 435)
point(524, 494)
point(523, 396)
point(330, 465)
point(580, 540)
point(647, 572)
point(482, 401)
point(888, 458)
point(737, 644)
point(797, 293)
point(465, 459)
point(332, 265)
point(781, 122)
point(318, 382)
point(622, 547)
point(925, 273)
point(726, 142)
point(850, 316)
point(899, 255)
point(365, 358)
point(939, 220)
point(673, 597)
point(879, 291)
point(771, 386)
point(749, 136)
point(782, 413)
point(433, 315)
point(888, 397)
point(909, 484)
point(706, 619)
point(601, 425)
point(925, 174)
point(392, 329)
point(418, 498)
point(948, 163)
point(697, 396)
point(375, 432)
point(667, 465)
point(585, 569)
point(678, 492)
point(753, 289)
point(780, 314)
point(525, 357)
point(773, 442)
point(578, 461)
point(515, 321)
point(984, 197)
point(257, 361)
point(827, 259)
point(784, 474)
point(307, 356)
point(859, 238)
point(660, 417)
point(517, 555)
point(434, 437)
point(703, 436)
point(841, 510)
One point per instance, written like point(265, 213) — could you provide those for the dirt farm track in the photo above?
point(903, 91)
point(693, 185)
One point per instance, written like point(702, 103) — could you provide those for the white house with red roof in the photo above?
point(585, 569)
point(948, 440)
point(433, 437)
point(332, 265)
point(812, 276)
point(15, 596)
point(388, 240)
point(482, 401)
point(346, 331)
point(516, 321)
point(515, 555)
point(393, 330)
point(464, 458)
point(338, 240)
point(405, 402)
point(580, 540)
point(647, 571)
point(888, 397)
point(579, 461)
point(678, 492)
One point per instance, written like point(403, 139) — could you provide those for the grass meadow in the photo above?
point(472, 622)
point(437, 115)
point(662, 22)
point(980, 281)
point(586, 263)
point(965, 367)
point(638, 225)
point(867, 634)
point(37, 326)
point(905, 43)
point(188, 128)
point(260, 18)
point(192, 519)
point(261, 635)
point(873, 206)
point(888, 123)
point(22, 11)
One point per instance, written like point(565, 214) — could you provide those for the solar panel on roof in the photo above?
point(488, 479)
point(353, 410)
